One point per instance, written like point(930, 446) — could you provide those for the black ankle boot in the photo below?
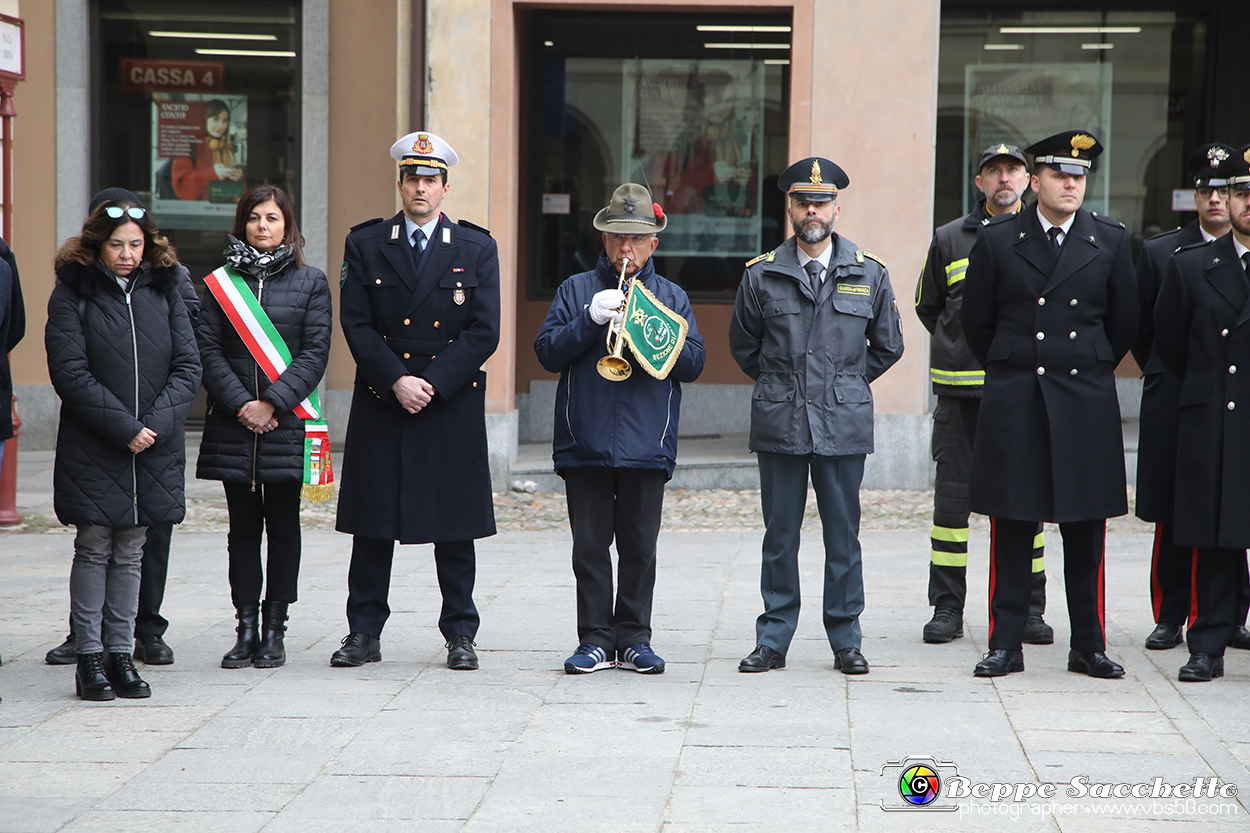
point(240, 656)
point(272, 653)
point(90, 681)
point(120, 668)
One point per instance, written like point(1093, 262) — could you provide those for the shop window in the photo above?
point(193, 102)
point(1135, 79)
point(694, 105)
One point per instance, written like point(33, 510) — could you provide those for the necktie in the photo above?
point(418, 246)
point(1053, 232)
point(813, 267)
point(1245, 263)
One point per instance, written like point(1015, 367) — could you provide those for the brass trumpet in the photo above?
point(614, 366)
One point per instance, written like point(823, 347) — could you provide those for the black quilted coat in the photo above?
point(297, 301)
point(120, 361)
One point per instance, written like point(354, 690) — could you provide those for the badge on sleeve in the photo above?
point(343, 275)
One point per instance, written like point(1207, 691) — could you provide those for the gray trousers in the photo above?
point(104, 587)
point(783, 498)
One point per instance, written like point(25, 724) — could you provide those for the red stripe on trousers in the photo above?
point(1102, 573)
point(1193, 586)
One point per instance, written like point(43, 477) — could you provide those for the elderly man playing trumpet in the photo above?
point(615, 438)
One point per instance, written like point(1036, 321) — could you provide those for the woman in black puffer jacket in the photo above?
point(253, 439)
point(123, 359)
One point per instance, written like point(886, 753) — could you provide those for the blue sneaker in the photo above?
point(639, 657)
point(587, 659)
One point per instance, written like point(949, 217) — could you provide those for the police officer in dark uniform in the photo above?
point(1171, 564)
point(957, 379)
point(1201, 336)
point(420, 311)
point(814, 322)
point(1050, 308)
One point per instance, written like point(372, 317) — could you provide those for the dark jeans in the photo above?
point(625, 505)
point(369, 585)
point(271, 510)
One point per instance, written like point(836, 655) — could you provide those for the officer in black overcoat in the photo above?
point(1171, 564)
point(1050, 308)
point(420, 311)
point(1202, 335)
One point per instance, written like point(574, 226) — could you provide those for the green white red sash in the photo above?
point(252, 324)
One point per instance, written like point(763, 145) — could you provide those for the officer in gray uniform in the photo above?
point(814, 322)
point(957, 376)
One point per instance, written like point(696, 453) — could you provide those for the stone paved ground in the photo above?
point(406, 744)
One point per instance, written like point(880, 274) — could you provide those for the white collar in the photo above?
point(1207, 236)
point(823, 258)
point(410, 227)
point(1237, 247)
point(1047, 225)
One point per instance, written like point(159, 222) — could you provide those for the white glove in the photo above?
point(605, 305)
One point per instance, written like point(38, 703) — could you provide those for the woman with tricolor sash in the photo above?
point(264, 334)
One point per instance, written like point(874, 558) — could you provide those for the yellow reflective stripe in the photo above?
point(955, 271)
point(949, 559)
point(957, 377)
point(1039, 565)
point(1039, 541)
point(945, 533)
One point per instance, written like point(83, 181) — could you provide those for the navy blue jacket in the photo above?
point(630, 424)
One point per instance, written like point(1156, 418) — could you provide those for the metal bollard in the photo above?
point(8, 475)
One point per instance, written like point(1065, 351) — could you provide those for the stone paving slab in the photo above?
point(406, 744)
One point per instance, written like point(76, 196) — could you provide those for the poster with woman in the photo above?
point(199, 158)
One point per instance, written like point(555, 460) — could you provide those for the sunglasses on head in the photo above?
point(116, 212)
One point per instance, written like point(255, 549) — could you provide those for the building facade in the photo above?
point(552, 104)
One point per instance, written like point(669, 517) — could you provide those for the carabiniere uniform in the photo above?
point(957, 378)
point(1202, 335)
point(1171, 563)
point(423, 477)
point(1050, 327)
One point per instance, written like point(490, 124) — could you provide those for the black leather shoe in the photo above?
point(1201, 668)
point(947, 624)
point(1094, 663)
point(999, 664)
point(850, 661)
point(1036, 631)
point(120, 668)
point(152, 650)
point(90, 681)
point(1241, 639)
point(63, 654)
point(248, 630)
point(1164, 636)
point(271, 653)
point(460, 654)
point(762, 659)
point(358, 648)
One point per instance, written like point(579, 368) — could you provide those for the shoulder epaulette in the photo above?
point(1106, 220)
point(1193, 246)
point(367, 223)
point(758, 258)
point(860, 255)
point(475, 227)
point(1001, 218)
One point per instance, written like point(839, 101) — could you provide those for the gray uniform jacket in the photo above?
point(812, 356)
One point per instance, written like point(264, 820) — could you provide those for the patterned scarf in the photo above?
point(254, 262)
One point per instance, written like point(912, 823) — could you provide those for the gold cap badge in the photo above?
point(816, 172)
point(422, 145)
point(1081, 142)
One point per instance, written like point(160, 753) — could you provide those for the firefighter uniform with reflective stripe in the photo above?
point(957, 379)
